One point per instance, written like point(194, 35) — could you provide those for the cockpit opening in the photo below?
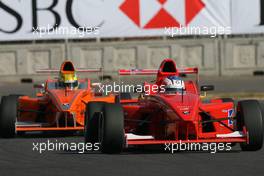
point(169, 67)
point(68, 66)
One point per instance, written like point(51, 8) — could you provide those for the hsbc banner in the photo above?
point(247, 17)
point(60, 19)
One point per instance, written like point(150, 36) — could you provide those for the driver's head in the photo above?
point(69, 79)
point(173, 83)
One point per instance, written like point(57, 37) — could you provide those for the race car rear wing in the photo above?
point(80, 70)
point(189, 70)
point(137, 72)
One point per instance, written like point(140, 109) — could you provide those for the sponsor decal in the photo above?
point(155, 14)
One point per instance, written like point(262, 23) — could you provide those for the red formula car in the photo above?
point(174, 113)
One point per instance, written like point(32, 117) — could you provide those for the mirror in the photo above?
point(39, 86)
point(206, 88)
point(96, 84)
point(40, 89)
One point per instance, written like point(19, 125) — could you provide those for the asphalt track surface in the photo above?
point(18, 158)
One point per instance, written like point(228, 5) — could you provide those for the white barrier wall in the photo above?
point(147, 54)
point(25, 59)
point(214, 57)
point(242, 56)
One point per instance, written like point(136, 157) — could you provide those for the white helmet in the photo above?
point(173, 83)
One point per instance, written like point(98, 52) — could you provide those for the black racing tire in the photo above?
point(112, 129)
point(93, 110)
point(8, 116)
point(262, 109)
point(250, 116)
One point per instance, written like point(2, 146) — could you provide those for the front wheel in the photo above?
point(112, 128)
point(8, 116)
point(250, 116)
point(92, 115)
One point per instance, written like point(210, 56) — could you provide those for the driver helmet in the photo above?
point(69, 80)
point(173, 83)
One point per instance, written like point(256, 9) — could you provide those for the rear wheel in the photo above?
point(93, 110)
point(250, 116)
point(112, 129)
point(8, 115)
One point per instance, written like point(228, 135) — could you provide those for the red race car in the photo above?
point(172, 111)
point(60, 105)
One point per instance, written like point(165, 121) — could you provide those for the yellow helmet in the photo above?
point(68, 76)
point(69, 80)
